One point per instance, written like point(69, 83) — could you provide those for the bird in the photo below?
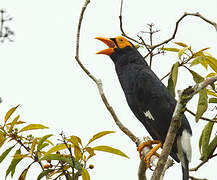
point(149, 99)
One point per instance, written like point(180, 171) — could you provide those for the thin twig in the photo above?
point(194, 178)
point(203, 118)
point(165, 76)
point(202, 163)
point(70, 151)
point(121, 25)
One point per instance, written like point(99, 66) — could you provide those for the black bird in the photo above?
point(148, 98)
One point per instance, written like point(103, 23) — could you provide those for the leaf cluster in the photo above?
point(67, 159)
point(188, 58)
point(206, 145)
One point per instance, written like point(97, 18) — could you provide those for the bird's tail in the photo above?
point(184, 152)
point(185, 168)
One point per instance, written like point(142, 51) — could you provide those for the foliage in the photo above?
point(207, 96)
point(188, 58)
point(69, 158)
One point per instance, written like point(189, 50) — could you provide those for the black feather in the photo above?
point(145, 92)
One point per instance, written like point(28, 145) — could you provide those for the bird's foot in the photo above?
point(151, 152)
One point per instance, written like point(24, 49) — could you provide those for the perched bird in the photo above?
point(149, 99)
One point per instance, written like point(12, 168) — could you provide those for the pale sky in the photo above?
point(38, 71)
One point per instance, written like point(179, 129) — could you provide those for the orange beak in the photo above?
point(109, 43)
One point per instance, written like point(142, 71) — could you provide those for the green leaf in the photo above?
point(110, 150)
point(181, 44)
point(58, 157)
point(212, 100)
point(14, 162)
point(49, 142)
point(202, 104)
point(200, 60)
point(197, 78)
point(43, 146)
point(5, 153)
point(173, 78)
point(85, 175)
point(205, 139)
point(99, 135)
point(42, 140)
point(10, 112)
point(175, 72)
point(75, 140)
point(44, 173)
point(171, 49)
point(211, 75)
point(211, 93)
point(77, 150)
point(20, 156)
point(199, 53)
point(2, 138)
point(170, 87)
point(182, 51)
point(23, 174)
point(212, 62)
point(34, 142)
point(204, 49)
point(137, 46)
point(200, 141)
point(17, 123)
point(14, 122)
point(55, 149)
point(90, 151)
point(212, 146)
point(33, 127)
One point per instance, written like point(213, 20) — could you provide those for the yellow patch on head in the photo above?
point(122, 42)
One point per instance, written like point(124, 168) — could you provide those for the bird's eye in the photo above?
point(121, 40)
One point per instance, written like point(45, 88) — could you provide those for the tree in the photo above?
point(172, 79)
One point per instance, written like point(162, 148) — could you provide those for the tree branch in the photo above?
point(121, 26)
point(177, 25)
point(202, 163)
point(203, 118)
point(193, 178)
point(184, 97)
point(99, 82)
point(154, 160)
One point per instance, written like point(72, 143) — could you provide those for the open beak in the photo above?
point(109, 43)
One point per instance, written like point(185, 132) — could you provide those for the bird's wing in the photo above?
point(153, 105)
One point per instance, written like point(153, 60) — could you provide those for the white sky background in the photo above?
point(38, 71)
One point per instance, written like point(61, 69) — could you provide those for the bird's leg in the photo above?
point(151, 152)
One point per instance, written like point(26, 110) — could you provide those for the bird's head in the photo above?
point(121, 51)
point(116, 44)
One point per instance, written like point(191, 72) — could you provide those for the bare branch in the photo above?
point(177, 25)
point(203, 118)
point(99, 83)
point(165, 76)
point(202, 163)
point(121, 25)
point(142, 169)
point(193, 178)
point(184, 97)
